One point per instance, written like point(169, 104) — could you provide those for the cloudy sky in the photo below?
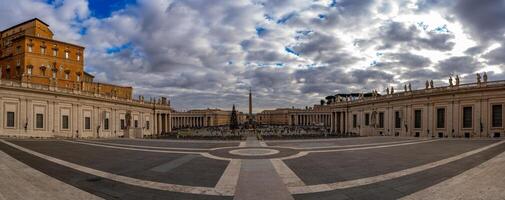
point(207, 53)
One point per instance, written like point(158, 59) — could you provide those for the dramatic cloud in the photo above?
point(207, 54)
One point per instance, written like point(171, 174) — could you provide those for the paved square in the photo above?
point(347, 168)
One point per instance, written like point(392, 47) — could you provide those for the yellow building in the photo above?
point(279, 116)
point(28, 53)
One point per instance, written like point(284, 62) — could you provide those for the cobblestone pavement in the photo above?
point(349, 168)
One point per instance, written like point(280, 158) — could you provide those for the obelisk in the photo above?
point(250, 104)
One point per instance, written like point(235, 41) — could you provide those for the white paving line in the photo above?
point(486, 181)
point(228, 181)
point(352, 145)
point(133, 149)
point(124, 179)
point(16, 177)
point(263, 144)
point(242, 144)
point(208, 155)
point(287, 175)
point(175, 140)
point(304, 153)
point(372, 147)
point(145, 147)
point(333, 139)
point(384, 177)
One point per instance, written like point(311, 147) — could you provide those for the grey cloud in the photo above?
point(325, 48)
point(207, 53)
point(397, 33)
point(458, 65)
point(496, 56)
point(484, 19)
point(407, 60)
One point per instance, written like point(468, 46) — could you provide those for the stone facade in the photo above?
point(38, 111)
point(279, 116)
point(204, 118)
point(469, 110)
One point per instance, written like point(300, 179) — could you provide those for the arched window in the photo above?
point(67, 74)
point(78, 76)
point(43, 70)
point(8, 72)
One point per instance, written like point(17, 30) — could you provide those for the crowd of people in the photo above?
point(264, 131)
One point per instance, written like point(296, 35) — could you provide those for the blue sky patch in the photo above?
point(117, 49)
point(285, 18)
point(260, 31)
point(104, 8)
point(291, 51)
point(441, 29)
point(333, 3)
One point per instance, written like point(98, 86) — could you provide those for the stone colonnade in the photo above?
point(191, 121)
point(162, 124)
point(306, 119)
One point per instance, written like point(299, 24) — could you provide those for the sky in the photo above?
point(207, 54)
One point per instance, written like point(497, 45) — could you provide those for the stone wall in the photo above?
point(68, 113)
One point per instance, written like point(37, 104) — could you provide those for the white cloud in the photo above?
point(208, 53)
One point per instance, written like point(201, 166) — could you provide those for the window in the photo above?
point(55, 52)
point(10, 119)
point(147, 125)
point(78, 78)
point(39, 120)
point(123, 125)
point(398, 120)
point(467, 117)
point(381, 120)
point(417, 118)
point(440, 117)
point(29, 71)
point(18, 49)
point(66, 54)
point(367, 119)
point(66, 76)
point(42, 50)
point(87, 123)
point(78, 57)
point(30, 49)
point(497, 119)
point(354, 121)
point(106, 124)
point(136, 123)
point(8, 72)
point(64, 121)
point(43, 71)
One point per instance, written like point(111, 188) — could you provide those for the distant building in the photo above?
point(204, 118)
